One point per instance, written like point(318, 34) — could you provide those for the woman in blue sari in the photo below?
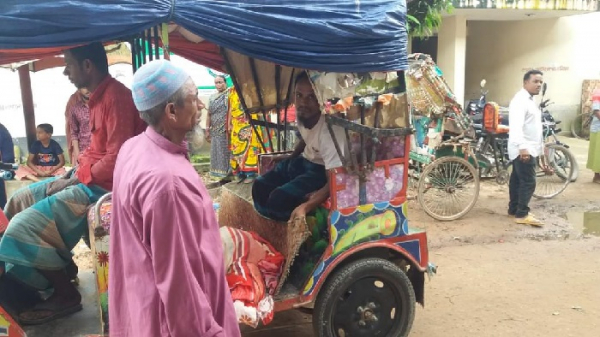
point(216, 127)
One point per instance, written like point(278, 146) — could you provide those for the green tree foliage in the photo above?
point(425, 16)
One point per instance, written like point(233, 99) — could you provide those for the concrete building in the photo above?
point(501, 40)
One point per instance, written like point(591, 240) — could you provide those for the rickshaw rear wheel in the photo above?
point(369, 297)
point(448, 188)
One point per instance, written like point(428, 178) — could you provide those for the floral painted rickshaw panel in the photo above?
point(100, 248)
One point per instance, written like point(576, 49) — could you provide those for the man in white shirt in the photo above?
point(525, 145)
point(299, 183)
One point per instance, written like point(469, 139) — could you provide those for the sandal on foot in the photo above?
point(514, 215)
point(529, 220)
point(57, 312)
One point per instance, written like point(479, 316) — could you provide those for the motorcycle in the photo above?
point(475, 107)
point(489, 162)
point(475, 110)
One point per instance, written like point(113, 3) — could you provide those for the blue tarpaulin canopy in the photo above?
point(328, 35)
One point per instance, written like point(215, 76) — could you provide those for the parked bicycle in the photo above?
point(580, 128)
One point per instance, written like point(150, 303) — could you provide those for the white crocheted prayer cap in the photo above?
point(155, 82)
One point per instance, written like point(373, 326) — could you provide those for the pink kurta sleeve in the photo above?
point(167, 221)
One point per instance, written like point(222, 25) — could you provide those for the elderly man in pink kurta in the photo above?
point(167, 275)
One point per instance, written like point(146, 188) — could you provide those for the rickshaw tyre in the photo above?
point(474, 172)
point(343, 278)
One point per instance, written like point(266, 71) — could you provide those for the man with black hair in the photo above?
point(299, 183)
point(525, 146)
point(48, 218)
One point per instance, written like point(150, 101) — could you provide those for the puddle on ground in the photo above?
point(586, 222)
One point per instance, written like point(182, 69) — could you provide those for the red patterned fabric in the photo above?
point(3, 222)
point(253, 269)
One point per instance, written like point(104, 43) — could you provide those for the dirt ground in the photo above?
point(525, 288)
point(497, 278)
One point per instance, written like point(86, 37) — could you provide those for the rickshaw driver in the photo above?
point(299, 182)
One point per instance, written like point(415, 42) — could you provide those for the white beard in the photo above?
point(195, 138)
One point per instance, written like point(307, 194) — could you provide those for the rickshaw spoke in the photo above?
point(456, 189)
point(456, 173)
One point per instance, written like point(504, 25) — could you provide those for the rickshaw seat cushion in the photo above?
point(266, 163)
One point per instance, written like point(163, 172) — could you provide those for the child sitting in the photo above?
point(45, 159)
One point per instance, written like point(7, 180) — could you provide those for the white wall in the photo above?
point(501, 51)
point(452, 40)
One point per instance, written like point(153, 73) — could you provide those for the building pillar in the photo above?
point(452, 52)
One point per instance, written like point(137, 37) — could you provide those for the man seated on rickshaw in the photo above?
point(299, 182)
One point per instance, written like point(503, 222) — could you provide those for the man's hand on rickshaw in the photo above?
point(60, 184)
point(299, 213)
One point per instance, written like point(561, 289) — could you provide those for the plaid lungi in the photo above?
point(44, 229)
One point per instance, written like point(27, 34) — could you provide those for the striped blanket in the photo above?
point(44, 229)
point(253, 268)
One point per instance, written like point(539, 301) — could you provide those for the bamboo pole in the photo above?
point(27, 100)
